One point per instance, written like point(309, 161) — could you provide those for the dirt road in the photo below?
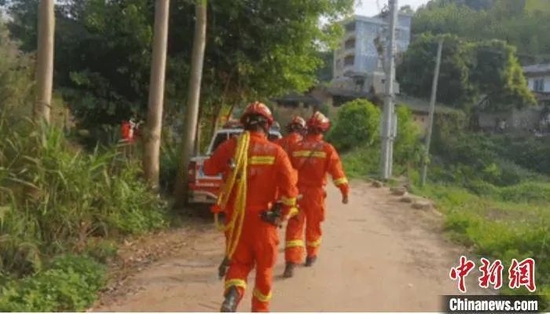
point(378, 255)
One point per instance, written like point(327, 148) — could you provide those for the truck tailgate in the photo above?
point(202, 180)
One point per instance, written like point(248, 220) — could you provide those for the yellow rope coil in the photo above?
point(234, 227)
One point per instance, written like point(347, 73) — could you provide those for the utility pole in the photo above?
point(44, 62)
point(387, 117)
point(432, 112)
point(192, 110)
point(151, 152)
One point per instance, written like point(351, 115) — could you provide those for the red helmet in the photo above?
point(298, 121)
point(258, 109)
point(318, 121)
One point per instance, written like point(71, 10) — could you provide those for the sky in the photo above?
point(373, 7)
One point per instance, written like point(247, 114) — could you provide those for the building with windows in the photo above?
point(358, 54)
point(538, 80)
point(538, 77)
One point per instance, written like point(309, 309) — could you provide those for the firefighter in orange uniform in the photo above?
point(296, 129)
point(258, 169)
point(313, 158)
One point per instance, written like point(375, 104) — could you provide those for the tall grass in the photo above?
point(54, 197)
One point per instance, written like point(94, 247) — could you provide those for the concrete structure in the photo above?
point(358, 54)
point(538, 80)
point(304, 105)
point(538, 77)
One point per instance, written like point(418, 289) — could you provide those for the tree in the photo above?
point(44, 64)
point(151, 156)
point(468, 69)
point(357, 123)
point(324, 73)
point(255, 49)
point(415, 73)
point(521, 23)
point(192, 113)
point(497, 73)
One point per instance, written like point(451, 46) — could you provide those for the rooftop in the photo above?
point(536, 68)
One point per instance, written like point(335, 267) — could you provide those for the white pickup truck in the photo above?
point(204, 189)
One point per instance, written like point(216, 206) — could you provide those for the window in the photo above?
point(350, 44)
point(350, 27)
point(220, 138)
point(538, 85)
point(349, 60)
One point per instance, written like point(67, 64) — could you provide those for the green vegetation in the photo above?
point(356, 133)
point(522, 23)
point(67, 195)
point(468, 70)
point(495, 199)
point(71, 283)
point(62, 209)
point(254, 49)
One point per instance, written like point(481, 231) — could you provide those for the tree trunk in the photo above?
point(192, 110)
point(44, 63)
point(151, 154)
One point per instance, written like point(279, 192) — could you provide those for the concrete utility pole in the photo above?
point(432, 111)
point(44, 62)
point(151, 154)
point(192, 110)
point(387, 117)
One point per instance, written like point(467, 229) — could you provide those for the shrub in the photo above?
point(362, 162)
point(357, 124)
point(70, 284)
point(408, 149)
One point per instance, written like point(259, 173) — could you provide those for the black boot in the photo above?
point(289, 270)
point(231, 300)
point(310, 260)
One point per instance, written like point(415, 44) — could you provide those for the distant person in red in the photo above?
point(127, 130)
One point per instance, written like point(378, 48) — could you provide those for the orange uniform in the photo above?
point(269, 171)
point(289, 140)
point(127, 132)
point(313, 158)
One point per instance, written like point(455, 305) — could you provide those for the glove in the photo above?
point(274, 215)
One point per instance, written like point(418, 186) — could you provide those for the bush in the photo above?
point(54, 198)
point(70, 284)
point(408, 149)
point(362, 162)
point(357, 124)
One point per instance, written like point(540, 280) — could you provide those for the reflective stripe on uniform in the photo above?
point(340, 181)
point(294, 243)
point(314, 243)
point(260, 296)
point(235, 283)
point(293, 212)
point(261, 160)
point(308, 153)
point(288, 201)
